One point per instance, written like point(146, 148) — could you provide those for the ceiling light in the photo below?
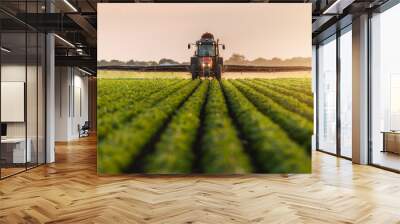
point(5, 50)
point(64, 40)
point(86, 72)
point(70, 5)
point(337, 7)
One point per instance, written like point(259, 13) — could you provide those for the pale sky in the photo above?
point(151, 31)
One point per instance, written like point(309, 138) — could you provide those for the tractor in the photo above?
point(206, 61)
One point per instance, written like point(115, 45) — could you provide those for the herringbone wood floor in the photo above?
point(69, 191)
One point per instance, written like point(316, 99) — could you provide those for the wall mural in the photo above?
point(204, 88)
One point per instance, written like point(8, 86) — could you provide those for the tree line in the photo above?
point(235, 59)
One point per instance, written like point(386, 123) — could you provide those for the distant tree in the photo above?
point(152, 63)
point(130, 62)
point(237, 59)
point(116, 62)
point(276, 61)
point(260, 62)
point(141, 63)
point(102, 63)
point(167, 61)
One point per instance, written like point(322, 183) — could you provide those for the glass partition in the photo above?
point(327, 95)
point(14, 153)
point(22, 78)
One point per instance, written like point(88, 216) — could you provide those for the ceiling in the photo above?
point(75, 21)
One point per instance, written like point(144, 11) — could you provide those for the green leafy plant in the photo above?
point(300, 96)
point(274, 151)
point(173, 152)
point(123, 145)
point(222, 151)
point(288, 102)
point(131, 108)
point(297, 127)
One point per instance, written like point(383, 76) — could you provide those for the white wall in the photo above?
point(80, 110)
point(62, 82)
point(16, 73)
point(13, 72)
point(71, 102)
point(33, 126)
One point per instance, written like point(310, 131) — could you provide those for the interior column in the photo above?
point(360, 90)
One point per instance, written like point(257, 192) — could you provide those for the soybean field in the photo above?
point(182, 126)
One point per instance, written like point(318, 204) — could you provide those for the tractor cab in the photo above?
point(206, 61)
point(206, 49)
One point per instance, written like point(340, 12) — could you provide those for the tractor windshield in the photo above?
point(206, 50)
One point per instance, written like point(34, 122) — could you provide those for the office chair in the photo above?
point(84, 130)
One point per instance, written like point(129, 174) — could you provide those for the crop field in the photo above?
point(182, 126)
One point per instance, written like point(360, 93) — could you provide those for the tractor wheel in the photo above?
point(195, 74)
point(218, 72)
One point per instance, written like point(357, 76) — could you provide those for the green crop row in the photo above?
point(173, 153)
point(297, 127)
point(292, 85)
point(222, 151)
point(117, 95)
point(124, 145)
point(300, 96)
point(288, 102)
point(109, 123)
point(293, 81)
point(273, 150)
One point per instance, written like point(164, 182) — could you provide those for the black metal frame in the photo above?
point(338, 152)
point(338, 98)
point(369, 90)
point(37, 164)
point(316, 97)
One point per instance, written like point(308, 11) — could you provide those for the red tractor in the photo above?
point(206, 61)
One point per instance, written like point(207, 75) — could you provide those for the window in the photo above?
point(346, 92)
point(206, 50)
point(327, 96)
point(385, 89)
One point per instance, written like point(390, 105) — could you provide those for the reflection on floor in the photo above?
point(70, 191)
point(9, 170)
point(387, 159)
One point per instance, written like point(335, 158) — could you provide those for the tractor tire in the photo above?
point(195, 74)
point(218, 72)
